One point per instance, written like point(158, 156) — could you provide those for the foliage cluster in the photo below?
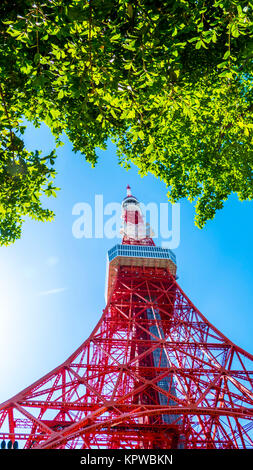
point(170, 82)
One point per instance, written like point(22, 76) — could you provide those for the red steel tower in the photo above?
point(154, 373)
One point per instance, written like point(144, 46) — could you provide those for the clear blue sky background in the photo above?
point(52, 284)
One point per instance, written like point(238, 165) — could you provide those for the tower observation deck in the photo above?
point(153, 374)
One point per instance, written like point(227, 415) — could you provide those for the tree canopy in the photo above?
point(169, 82)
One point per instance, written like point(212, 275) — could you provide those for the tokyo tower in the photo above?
point(153, 374)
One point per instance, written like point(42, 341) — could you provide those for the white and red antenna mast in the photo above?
point(134, 230)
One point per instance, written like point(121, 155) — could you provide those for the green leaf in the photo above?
point(141, 134)
point(234, 31)
point(130, 10)
point(60, 94)
point(37, 58)
point(131, 114)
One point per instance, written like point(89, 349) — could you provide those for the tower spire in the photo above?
point(134, 230)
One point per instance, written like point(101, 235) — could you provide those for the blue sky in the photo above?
point(52, 284)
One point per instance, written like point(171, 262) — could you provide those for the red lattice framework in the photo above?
point(154, 373)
